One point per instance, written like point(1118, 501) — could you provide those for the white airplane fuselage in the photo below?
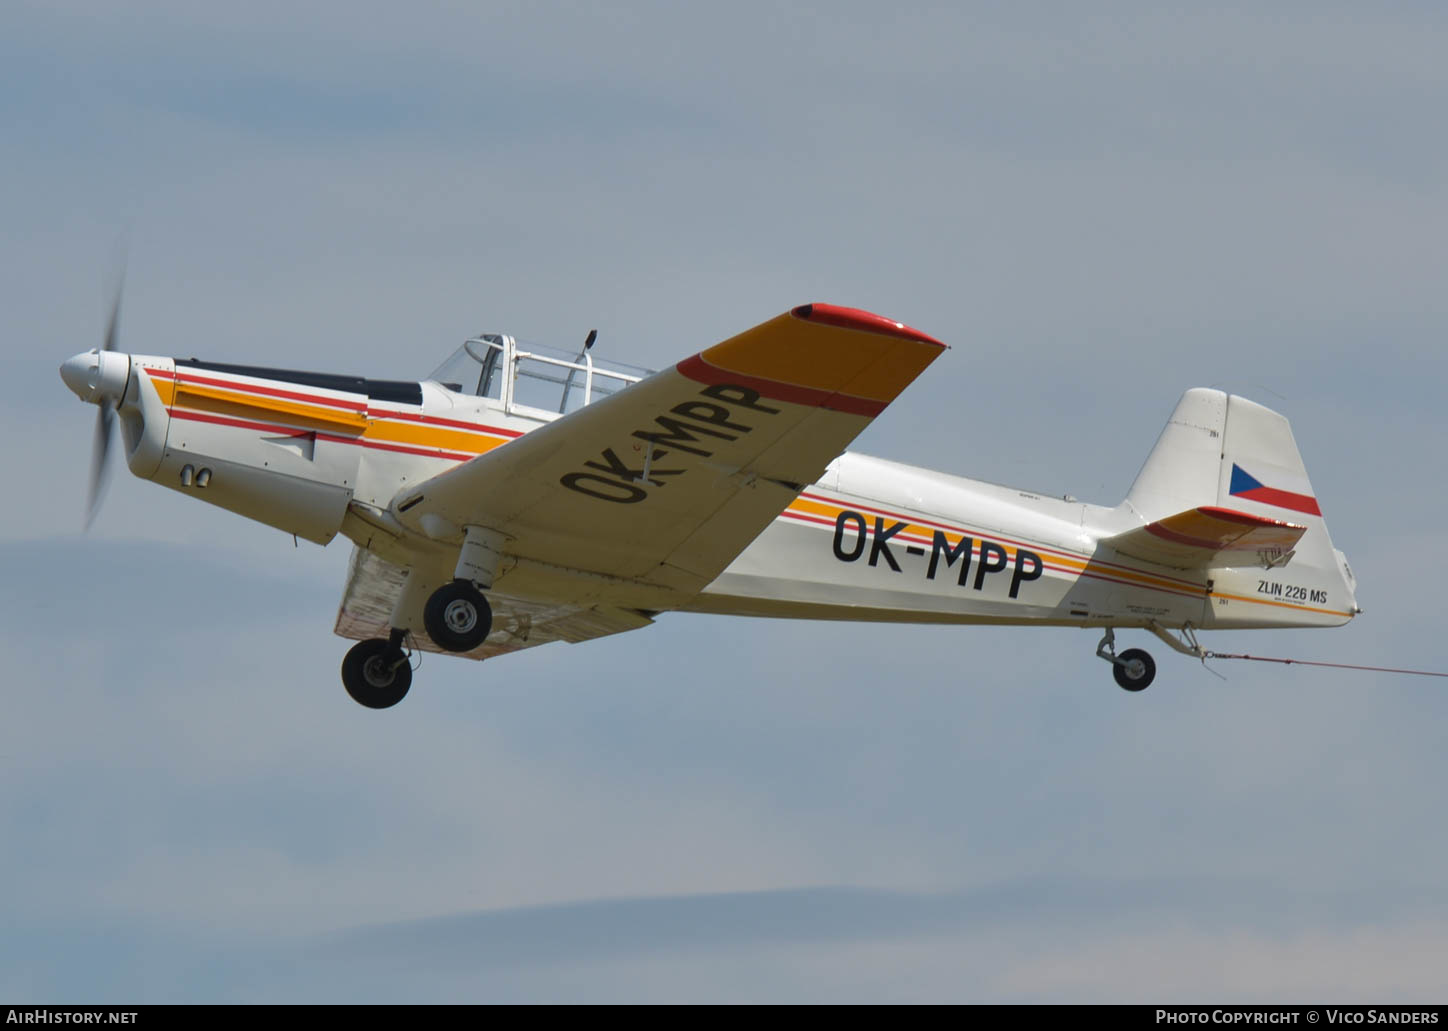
point(871, 540)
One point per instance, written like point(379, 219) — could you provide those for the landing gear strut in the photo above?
point(457, 617)
point(377, 673)
point(1133, 669)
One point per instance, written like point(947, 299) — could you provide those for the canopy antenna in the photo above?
point(568, 383)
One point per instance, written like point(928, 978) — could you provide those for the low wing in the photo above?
point(642, 498)
point(373, 584)
point(1200, 538)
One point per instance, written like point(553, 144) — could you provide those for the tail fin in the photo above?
point(1184, 470)
point(1223, 450)
point(1229, 454)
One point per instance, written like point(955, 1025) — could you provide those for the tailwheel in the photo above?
point(458, 617)
point(1134, 669)
point(376, 673)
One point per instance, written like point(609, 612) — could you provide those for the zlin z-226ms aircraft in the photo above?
point(520, 496)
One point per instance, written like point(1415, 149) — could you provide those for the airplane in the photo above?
point(522, 495)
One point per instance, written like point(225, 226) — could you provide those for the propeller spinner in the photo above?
point(99, 377)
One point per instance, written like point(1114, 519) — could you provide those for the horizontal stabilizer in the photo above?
point(1208, 536)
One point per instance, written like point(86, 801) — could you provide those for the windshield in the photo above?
point(544, 380)
point(473, 368)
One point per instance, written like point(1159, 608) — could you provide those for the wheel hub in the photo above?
point(460, 616)
point(378, 671)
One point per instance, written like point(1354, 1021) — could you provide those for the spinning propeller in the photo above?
point(105, 424)
point(99, 377)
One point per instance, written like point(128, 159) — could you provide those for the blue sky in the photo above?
point(1096, 210)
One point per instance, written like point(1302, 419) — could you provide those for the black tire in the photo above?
point(1139, 663)
point(375, 674)
point(458, 617)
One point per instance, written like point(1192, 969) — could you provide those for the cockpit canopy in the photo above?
point(531, 379)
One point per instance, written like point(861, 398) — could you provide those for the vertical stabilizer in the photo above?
point(1238, 461)
point(1184, 469)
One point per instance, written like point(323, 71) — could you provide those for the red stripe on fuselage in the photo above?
point(256, 388)
point(356, 406)
point(291, 431)
point(1192, 590)
point(1078, 557)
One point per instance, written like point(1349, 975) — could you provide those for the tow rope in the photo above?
point(1333, 665)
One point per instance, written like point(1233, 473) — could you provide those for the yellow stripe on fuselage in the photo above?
point(371, 426)
point(473, 442)
point(217, 401)
point(1053, 559)
point(1279, 604)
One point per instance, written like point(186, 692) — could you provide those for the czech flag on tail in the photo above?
point(1245, 485)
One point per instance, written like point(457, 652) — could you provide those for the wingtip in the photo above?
point(865, 321)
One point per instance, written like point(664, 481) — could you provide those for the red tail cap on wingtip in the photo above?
point(854, 318)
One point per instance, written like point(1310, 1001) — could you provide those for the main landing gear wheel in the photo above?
point(1134, 670)
point(458, 617)
point(376, 673)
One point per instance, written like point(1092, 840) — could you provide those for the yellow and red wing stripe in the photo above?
point(821, 355)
